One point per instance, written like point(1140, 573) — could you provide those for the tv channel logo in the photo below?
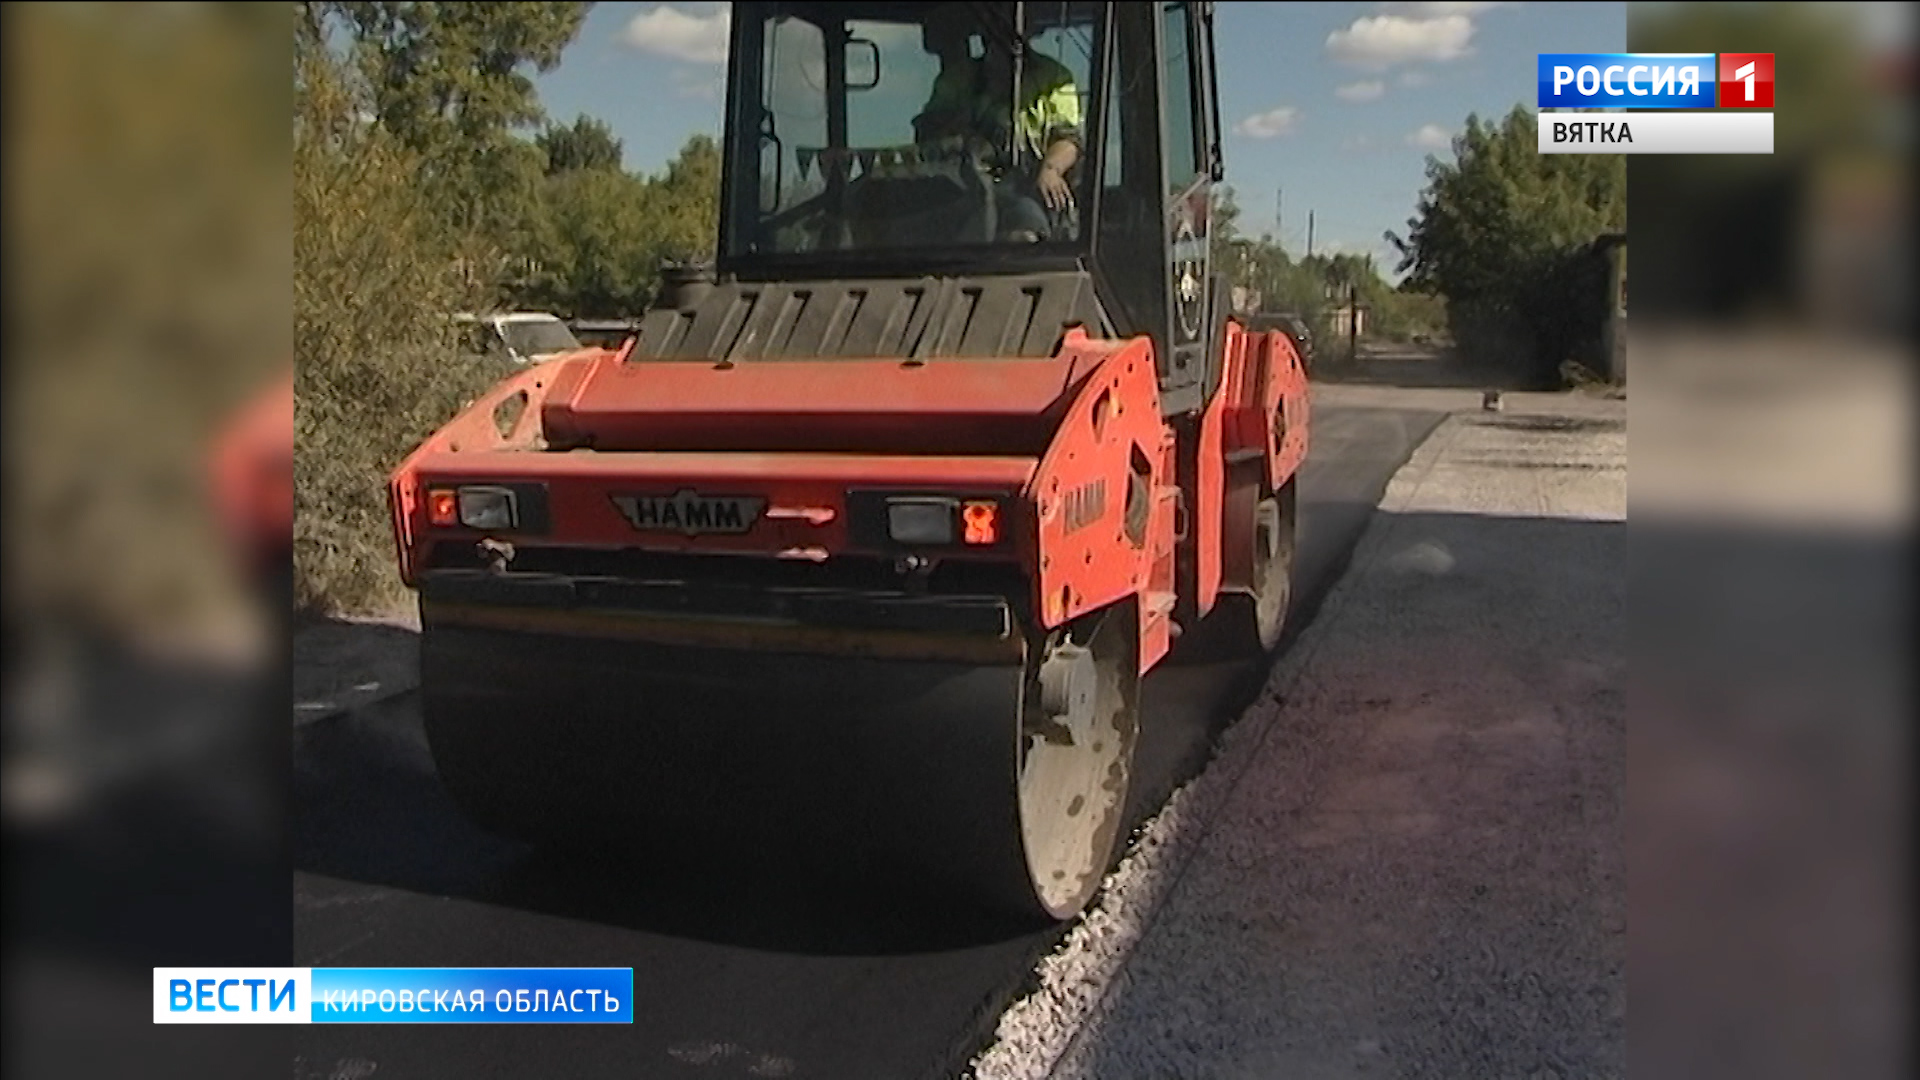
point(1746, 81)
point(1652, 80)
point(393, 995)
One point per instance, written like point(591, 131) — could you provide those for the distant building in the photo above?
point(1347, 320)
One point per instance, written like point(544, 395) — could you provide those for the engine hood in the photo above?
point(954, 365)
point(958, 405)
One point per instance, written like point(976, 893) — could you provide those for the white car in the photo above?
point(524, 337)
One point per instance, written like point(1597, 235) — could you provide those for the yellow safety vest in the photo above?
point(1050, 108)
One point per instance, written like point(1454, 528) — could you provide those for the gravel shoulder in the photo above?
point(1407, 859)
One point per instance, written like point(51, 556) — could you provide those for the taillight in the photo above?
point(443, 507)
point(914, 520)
point(981, 523)
point(482, 507)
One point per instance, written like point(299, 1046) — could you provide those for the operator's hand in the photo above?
point(1054, 189)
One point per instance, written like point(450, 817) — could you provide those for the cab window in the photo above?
point(1183, 157)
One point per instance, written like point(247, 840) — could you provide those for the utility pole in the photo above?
point(1309, 234)
point(1353, 324)
point(1279, 217)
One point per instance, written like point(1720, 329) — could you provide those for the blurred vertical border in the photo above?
point(148, 438)
point(1772, 359)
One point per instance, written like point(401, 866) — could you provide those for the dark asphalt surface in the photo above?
point(752, 969)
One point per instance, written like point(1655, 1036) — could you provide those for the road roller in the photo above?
point(879, 518)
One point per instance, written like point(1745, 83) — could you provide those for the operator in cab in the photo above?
point(970, 99)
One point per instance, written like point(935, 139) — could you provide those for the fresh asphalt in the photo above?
point(755, 968)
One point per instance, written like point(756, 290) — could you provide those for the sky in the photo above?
point(1329, 108)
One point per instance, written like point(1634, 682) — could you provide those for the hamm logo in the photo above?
point(691, 513)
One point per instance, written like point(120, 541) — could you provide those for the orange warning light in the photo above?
point(442, 507)
point(981, 521)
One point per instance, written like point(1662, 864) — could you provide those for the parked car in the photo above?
point(604, 333)
point(1290, 323)
point(522, 337)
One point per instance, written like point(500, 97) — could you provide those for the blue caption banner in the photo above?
point(1627, 80)
point(472, 995)
point(393, 995)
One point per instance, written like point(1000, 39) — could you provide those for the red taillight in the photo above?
point(443, 507)
point(980, 522)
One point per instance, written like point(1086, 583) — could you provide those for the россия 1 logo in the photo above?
point(1656, 103)
point(1626, 80)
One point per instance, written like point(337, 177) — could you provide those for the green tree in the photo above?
point(1504, 233)
point(449, 81)
point(584, 144)
point(1402, 313)
point(599, 260)
point(689, 196)
point(609, 232)
point(441, 72)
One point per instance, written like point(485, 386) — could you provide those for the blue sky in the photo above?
point(1337, 105)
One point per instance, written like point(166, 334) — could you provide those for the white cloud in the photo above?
point(1431, 137)
point(1354, 144)
point(668, 31)
point(1435, 10)
point(1269, 124)
point(1380, 41)
point(1369, 90)
point(1413, 79)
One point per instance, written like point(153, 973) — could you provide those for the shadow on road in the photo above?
point(369, 807)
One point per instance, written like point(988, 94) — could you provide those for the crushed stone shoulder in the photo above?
point(1406, 858)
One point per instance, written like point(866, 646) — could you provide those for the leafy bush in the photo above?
point(414, 198)
point(375, 280)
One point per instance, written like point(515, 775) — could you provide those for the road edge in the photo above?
point(1078, 978)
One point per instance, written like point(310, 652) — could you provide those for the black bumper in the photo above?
point(822, 608)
